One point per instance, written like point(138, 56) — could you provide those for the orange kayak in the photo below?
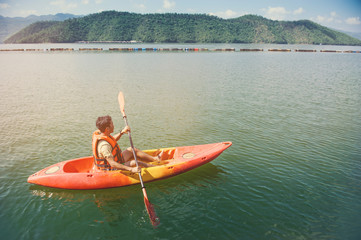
point(81, 173)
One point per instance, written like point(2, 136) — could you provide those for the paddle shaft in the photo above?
point(133, 150)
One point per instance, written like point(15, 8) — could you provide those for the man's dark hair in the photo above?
point(103, 122)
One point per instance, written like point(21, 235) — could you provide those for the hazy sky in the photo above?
point(339, 14)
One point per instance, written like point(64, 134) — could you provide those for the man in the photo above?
point(107, 154)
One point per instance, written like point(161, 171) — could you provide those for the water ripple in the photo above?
point(293, 171)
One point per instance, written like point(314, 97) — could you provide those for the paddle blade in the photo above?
point(151, 212)
point(121, 102)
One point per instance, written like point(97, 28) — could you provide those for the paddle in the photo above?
point(150, 209)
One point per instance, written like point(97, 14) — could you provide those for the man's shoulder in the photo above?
point(103, 143)
point(104, 148)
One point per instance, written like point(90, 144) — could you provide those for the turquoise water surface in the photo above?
point(293, 171)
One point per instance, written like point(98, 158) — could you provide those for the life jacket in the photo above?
point(102, 163)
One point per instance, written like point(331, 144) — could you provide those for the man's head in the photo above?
point(105, 123)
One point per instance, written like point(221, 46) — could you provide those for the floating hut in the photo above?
point(251, 50)
point(305, 50)
point(90, 49)
point(61, 49)
point(35, 50)
point(331, 51)
point(350, 51)
point(279, 50)
point(12, 50)
point(224, 50)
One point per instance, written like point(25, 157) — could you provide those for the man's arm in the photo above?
point(125, 130)
point(116, 165)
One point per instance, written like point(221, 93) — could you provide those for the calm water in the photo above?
point(293, 172)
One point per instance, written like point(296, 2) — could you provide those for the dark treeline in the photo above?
point(179, 28)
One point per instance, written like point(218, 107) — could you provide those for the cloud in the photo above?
point(336, 21)
point(323, 19)
point(168, 4)
point(226, 14)
point(63, 4)
point(319, 19)
point(298, 11)
point(4, 5)
point(281, 13)
point(140, 7)
point(276, 13)
point(353, 21)
point(72, 5)
point(26, 13)
point(57, 3)
point(85, 2)
point(331, 18)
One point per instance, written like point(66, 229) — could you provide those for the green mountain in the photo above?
point(179, 28)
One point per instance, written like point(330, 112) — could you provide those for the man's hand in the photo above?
point(136, 170)
point(126, 129)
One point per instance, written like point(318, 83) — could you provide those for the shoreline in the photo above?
point(150, 49)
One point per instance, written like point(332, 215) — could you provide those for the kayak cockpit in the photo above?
point(79, 166)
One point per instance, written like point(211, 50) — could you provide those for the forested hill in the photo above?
point(179, 28)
